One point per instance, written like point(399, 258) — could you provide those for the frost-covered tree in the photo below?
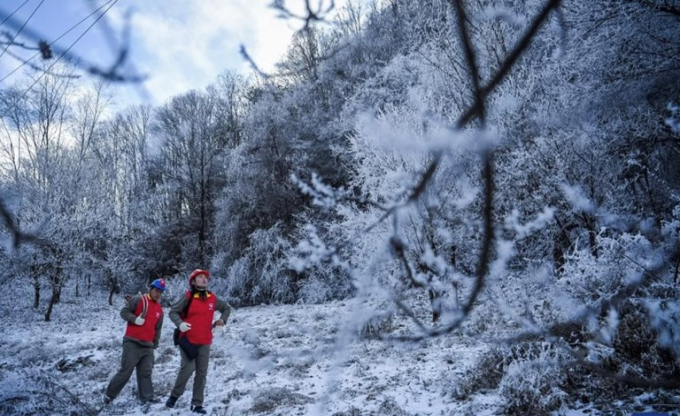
point(192, 138)
point(51, 138)
point(475, 189)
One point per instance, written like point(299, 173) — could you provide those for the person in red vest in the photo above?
point(193, 315)
point(144, 316)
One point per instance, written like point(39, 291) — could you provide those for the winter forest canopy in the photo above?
point(510, 167)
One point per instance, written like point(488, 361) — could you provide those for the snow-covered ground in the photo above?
point(286, 360)
point(269, 360)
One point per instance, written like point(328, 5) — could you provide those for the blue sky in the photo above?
point(180, 44)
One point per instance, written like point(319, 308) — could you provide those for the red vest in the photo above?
point(146, 331)
point(200, 316)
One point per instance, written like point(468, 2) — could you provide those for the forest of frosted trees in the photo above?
point(515, 162)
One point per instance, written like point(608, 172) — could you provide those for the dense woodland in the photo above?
point(517, 162)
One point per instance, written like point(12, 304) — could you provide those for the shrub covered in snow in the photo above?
point(266, 400)
point(534, 383)
point(485, 374)
point(261, 274)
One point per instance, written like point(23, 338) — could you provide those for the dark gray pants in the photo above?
point(135, 357)
point(187, 367)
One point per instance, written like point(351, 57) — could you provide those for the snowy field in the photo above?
point(269, 360)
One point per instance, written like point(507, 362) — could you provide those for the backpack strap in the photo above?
point(189, 302)
point(145, 305)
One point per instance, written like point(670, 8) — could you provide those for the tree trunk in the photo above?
point(561, 244)
point(57, 284)
point(36, 293)
point(55, 296)
point(435, 304)
point(57, 292)
point(590, 224)
point(558, 253)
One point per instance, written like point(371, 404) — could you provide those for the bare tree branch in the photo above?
point(112, 73)
point(18, 237)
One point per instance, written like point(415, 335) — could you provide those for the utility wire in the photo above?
point(16, 10)
point(22, 27)
point(67, 49)
point(36, 67)
point(56, 40)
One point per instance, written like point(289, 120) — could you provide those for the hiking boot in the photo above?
point(199, 409)
point(171, 402)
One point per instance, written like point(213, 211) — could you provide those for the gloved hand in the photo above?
point(139, 320)
point(184, 327)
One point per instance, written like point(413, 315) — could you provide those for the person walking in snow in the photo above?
point(193, 315)
point(144, 316)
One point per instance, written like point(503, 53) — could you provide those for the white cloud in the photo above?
point(180, 44)
point(185, 45)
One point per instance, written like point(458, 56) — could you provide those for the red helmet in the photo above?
point(196, 273)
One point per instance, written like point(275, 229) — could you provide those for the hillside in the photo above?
point(270, 360)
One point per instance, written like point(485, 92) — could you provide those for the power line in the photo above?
point(22, 27)
point(67, 49)
point(34, 66)
point(56, 40)
point(12, 14)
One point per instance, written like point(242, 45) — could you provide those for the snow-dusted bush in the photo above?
point(16, 397)
point(642, 333)
point(485, 374)
point(352, 411)
point(382, 323)
point(533, 383)
point(261, 274)
point(268, 399)
point(592, 278)
point(528, 376)
point(640, 348)
point(319, 281)
point(329, 286)
point(34, 392)
point(389, 407)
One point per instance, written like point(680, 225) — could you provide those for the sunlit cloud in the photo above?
point(179, 45)
point(183, 46)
